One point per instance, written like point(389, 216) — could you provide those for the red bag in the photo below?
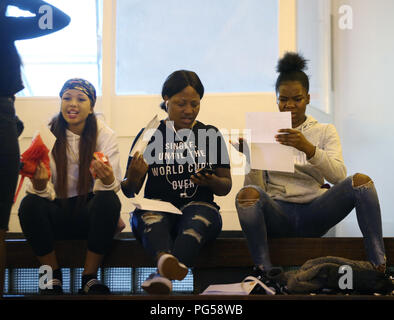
point(31, 158)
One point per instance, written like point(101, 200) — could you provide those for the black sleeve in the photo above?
point(21, 28)
point(132, 146)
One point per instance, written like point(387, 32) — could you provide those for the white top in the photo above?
point(106, 143)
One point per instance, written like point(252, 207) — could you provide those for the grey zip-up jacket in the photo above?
point(304, 185)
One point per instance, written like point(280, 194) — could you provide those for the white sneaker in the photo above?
point(156, 284)
point(171, 268)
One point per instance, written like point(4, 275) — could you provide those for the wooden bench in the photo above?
point(224, 261)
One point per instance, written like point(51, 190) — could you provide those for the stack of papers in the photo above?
point(236, 289)
point(154, 205)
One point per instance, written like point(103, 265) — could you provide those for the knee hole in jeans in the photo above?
point(193, 233)
point(360, 179)
point(151, 218)
point(248, 197)
point(202, 219)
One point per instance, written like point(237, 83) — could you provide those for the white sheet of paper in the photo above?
point(265, 125)
point(145, 136)
point(242, 288)
point(272, 156)
point(154, 205)
point(266, 152)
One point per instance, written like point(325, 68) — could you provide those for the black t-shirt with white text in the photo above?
point(174, 156)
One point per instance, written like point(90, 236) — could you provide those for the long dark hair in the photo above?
point(87, 146)
point(291, 68)
point(179, 80)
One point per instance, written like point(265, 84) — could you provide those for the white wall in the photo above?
point(364, 108)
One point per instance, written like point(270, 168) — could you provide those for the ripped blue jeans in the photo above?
point(181, 235)
point(268, 218)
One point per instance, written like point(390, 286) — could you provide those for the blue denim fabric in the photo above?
point(269, 218)
point(181, 235)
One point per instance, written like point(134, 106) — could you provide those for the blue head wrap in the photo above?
point(80, 84)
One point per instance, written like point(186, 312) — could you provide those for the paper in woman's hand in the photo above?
point(145, 136)
point(265, 125)
point(266, 152)
point(154, 205)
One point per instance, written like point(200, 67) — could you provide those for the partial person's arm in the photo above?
point(47, 19)
point(220, 182)
point(328, 159)
point(135, 175)
point(40, 184)
point(111, 175)
point(136, 170)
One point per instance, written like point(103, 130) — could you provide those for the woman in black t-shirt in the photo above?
point(11, 30)
point(187, 164)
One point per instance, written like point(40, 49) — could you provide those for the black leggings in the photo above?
point(9, 159)
point(45, 221)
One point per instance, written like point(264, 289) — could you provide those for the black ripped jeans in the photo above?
point(181, 235)
point(44, 221)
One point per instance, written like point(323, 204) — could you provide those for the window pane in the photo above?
point(231, 44)
point(50, 60)
point(24, 280)
point(313, 42)
point(119, 280)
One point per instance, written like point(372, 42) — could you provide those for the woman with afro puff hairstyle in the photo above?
point(276, 204)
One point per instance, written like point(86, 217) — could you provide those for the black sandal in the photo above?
point(94, 286)
point(56, 289)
